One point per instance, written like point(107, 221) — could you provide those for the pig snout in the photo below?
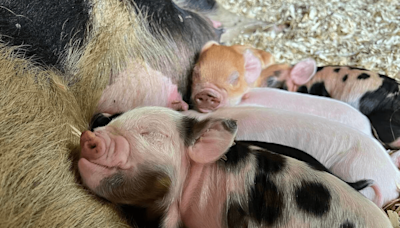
point(92, 146)
point(207, 101)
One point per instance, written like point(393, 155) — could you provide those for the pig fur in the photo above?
point(189, 170)
point(39, 185)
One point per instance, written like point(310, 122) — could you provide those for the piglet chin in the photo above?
point(92, 173)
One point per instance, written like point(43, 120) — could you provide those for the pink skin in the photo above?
point(216, 24)
point(101, 155)
point(175, 100)
point(123, 92)
point(208, 97)
point(308, 104)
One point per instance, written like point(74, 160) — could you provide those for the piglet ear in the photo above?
point(208, 45)
point(252, 67)
point(216, 137)
point(303, 71)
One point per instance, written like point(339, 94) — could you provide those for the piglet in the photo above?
point(222, 78)
point(375, 95)
point(224, 73)
point(197, 176)
point(345, 151)
point(124, 93)
point(308, 104)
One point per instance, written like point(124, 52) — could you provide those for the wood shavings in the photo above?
point(394, 218)
point(363, 33)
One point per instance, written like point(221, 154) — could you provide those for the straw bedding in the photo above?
point(38, 180)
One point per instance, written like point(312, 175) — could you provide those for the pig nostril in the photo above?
point(92, 146)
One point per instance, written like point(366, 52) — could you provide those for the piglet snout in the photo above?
point(206, 101)
point(92, 146)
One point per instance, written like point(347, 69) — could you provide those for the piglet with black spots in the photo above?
point(375, 95)
point(195, 175)
point(345, 151)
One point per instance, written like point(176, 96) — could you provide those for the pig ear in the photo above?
point(252, 67)
point(208, 45)
point(303, 71)
point(216, 137)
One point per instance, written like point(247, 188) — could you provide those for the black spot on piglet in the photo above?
point(345, 78)
point(313, 198)
point(363, 76)
point(100, 120)
point(266, 201)
point(347, 224)
point(319, 89)
point(302, 89)
point(337, 70)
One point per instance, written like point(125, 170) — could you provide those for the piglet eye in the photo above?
point(233, 79)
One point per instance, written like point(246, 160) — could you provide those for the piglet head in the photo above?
point(222, 75)
point(284, 76)
point(142, 156)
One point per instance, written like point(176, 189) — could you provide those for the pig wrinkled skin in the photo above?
point(375, 95)
point(194, 173)
point(345, 151)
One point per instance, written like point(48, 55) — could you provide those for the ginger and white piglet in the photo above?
point(224, 77)
point(223, 74)
point(194, 173)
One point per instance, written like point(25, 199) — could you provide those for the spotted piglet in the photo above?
point(194, 173)
point(375, 95)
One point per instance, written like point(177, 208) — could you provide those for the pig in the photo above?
point(308, 104)
point(224, 73)
point(375, 95)
point(345, 151)
point(128, 53)
point(196, 175)
point(102, 119)
point(221, 78)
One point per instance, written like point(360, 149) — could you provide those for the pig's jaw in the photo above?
point(102, 155)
